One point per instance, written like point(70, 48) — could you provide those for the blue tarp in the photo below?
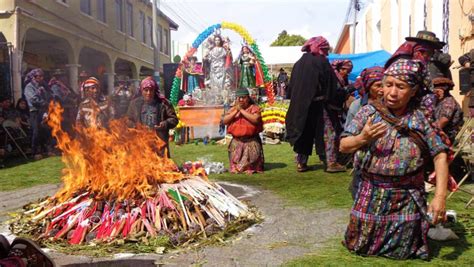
point(362, 61)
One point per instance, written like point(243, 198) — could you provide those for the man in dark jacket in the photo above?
point(153, 111)
point(312, 84)
point(38, 99)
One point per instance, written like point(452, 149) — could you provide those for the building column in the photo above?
point(16, 75)
point(110, 82)
point(73, 76)
point(136, 85)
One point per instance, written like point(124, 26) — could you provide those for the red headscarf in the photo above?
point(315, 46)
point(149, 82)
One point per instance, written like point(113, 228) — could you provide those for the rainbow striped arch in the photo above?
point(202, 37)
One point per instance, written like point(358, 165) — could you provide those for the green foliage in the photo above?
point(285, 39)
point(280, 175)
point(176, 59)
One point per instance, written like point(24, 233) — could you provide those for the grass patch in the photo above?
point(444, 253)
point(312, 189)
point(46, 171)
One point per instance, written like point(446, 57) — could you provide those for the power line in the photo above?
point(184, 21)
point(192, 15)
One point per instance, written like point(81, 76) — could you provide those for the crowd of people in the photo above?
point(396, 121)
point(89, 107)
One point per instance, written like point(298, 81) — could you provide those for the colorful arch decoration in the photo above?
point(202, 37)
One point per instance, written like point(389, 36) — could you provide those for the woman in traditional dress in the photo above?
point(395, 141)
point(153, 111)
point(448, 114)
point(333, 115)
point(244, 122)
point(371, 81)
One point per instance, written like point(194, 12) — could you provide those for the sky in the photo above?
point(263, 19)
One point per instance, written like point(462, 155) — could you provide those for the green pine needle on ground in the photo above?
point(314, 190)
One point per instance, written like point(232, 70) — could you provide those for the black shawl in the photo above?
point(312, 79)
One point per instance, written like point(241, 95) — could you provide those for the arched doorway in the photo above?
point(46, 51)
point(97, 64)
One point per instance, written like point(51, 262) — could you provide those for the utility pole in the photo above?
point(354, 23)
point(155, 41)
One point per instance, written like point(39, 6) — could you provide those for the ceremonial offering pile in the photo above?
point(115, 186)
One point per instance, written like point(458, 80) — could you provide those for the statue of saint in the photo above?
point(219, 60)
point(192, 76)
point(246, 61)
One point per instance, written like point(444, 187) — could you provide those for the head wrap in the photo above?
point(149, 82)
point(315, 46)
point(442, 82)
point(342, 63)
point(242, 92)
point(370, 75)
point(410, 71)
point(91, 81)
point(33, 73)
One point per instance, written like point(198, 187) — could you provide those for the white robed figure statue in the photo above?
point(219, 60)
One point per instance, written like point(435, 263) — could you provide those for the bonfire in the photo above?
point(115, 186)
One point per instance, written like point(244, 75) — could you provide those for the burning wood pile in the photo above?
point(117, 187)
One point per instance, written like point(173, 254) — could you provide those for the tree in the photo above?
point(177, 59)
point(285, 39)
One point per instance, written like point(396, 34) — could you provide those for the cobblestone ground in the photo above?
point(287, 232)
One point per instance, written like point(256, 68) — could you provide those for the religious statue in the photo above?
point(220, 60)
point(192, 75)
point(246, 61)
point(251, 74)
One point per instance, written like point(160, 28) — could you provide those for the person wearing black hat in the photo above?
point(448, 113)
point(421, 47)
point(244, 123)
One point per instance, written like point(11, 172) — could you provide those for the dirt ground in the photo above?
point(286, 232)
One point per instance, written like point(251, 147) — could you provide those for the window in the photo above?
point(160, 37)
point(129, 19)
point(142, 27)
point(165, 41)
point(86, 7)
point(149, 30)
point(101, 10)
point(119, 15)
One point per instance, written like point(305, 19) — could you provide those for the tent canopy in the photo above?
point(362, 61)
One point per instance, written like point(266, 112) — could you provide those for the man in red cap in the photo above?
point(95, 110)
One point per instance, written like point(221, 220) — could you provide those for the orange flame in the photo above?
point(119, 163)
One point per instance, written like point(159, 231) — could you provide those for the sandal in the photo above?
point(4, 247)
point(31, 252)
